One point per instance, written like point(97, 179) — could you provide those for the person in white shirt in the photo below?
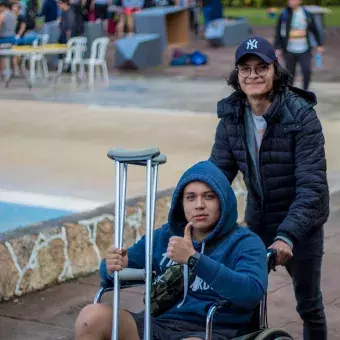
point(295, 24)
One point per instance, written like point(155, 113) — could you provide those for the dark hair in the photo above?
point(66, 2)
point(5, 4)
point(282, 78)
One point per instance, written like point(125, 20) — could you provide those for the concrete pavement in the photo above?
point(56, 142)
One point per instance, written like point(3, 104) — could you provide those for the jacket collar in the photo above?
point(283, 108)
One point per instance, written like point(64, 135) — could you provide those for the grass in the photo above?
point(259, 17)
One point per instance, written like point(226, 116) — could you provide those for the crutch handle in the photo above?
point(130, 274)
point(132, 156)
point(159, 160)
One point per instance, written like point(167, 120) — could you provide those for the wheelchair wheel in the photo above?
point(274, 334)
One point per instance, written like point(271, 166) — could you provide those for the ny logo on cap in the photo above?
point(251, 44)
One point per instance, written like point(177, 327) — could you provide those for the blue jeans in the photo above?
point(7, 40)
point(305, 270)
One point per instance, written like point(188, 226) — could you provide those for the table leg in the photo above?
point(8, 70)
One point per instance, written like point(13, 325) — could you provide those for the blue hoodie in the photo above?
point(236, 270)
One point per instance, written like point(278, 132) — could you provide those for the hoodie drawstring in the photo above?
point(186, 279)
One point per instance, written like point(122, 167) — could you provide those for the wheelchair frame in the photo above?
point(260, 311)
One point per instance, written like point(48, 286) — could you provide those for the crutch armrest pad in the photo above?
point(132, 156)
point(159, 160)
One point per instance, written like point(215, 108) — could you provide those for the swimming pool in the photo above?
point(18, 209)
point(17, 215)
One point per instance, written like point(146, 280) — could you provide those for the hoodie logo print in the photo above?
point(168, 264)
point(199, 284)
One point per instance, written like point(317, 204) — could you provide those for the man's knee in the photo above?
point(94, 319)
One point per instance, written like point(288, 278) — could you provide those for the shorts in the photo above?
point(130, 10)
point(100, 11)
point(178, 329)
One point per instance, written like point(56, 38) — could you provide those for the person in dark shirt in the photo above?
point(67, 23)
point(20, 28)
point(49, 11)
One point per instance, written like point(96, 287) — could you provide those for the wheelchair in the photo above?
point(151, 159)
point(258, 328)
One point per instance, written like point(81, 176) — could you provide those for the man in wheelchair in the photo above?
point(220, 261)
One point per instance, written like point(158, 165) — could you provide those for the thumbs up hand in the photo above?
point(181, 248)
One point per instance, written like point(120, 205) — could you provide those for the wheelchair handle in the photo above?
point(271, 258)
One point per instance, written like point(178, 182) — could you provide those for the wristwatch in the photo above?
point(193, 259)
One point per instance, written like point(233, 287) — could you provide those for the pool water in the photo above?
point(13, 215)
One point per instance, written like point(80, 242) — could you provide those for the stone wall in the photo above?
point(41, 255)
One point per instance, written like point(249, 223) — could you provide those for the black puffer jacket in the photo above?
point(295, 199)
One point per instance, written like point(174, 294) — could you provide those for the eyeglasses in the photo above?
point(260, 70)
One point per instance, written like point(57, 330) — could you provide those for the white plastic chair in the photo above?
point(97, 58)
point(76, 48)
point(37, 60)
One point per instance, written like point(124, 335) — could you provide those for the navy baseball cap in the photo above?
point(256, 46)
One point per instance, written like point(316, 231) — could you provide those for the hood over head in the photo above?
point(211, 175)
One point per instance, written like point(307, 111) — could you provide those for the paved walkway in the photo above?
point(61, 136)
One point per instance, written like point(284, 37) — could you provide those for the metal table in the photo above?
point(21, 51)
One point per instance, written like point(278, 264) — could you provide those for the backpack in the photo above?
point(198, 58)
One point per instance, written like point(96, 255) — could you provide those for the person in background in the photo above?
point(67, 21)
point(100, 8)
point(7, 23)
point(7, 29)
point(119, 12)
point(50, 12)
point(30, 18)
point(292, 39)
point(20, 30)
point(206, 8)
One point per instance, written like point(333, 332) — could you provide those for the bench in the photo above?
point(139, 51)
point(224, 32)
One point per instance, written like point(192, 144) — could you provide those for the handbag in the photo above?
point(168, 287)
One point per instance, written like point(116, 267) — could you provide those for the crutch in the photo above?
point(150, 158)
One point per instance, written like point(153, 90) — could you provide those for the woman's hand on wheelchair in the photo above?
point(283, 252)
point(116, 259)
